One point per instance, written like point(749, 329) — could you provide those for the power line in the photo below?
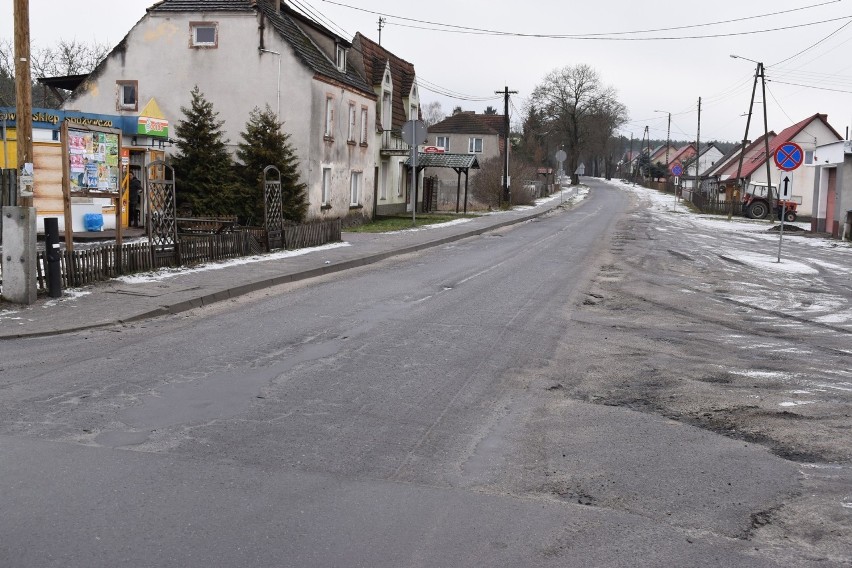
point(315, 15)
point(600, 35)
point(813, 45)
point(808, 86)
point(600, 38)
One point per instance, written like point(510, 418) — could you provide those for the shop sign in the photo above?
point(149, 126)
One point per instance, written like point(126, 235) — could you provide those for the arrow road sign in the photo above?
point(789, 156)
point(786, 188)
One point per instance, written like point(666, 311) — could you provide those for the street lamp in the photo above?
point(668, 136)
point(278, 87)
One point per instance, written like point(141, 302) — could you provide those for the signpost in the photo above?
point(788, 157)
point(677, 171)
point(414, 133)
point(560, 158)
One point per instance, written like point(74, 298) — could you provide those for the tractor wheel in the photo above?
point(790, 216)
point(758, 210)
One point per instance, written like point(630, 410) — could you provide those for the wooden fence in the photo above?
point(99, 263)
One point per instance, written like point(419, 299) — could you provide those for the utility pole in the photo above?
point(23, 89)
point(630, 159)
point(766, 141)
point(697, 183)
point(19, 226)
point(381, 25)
point(730, 196)
point(648, 133)
point(507, 197)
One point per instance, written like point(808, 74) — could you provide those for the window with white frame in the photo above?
point(127, 95)
point(355, 188)
point(341, 58)
point(326, 185)
point(443, 142)
point(364, 117)
point(329, 117)
point(351, 134)
point(809, 156)
point(474, 145)
point(386, 111)
point(204, 34)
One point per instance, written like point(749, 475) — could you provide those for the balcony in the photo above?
point(393, 144)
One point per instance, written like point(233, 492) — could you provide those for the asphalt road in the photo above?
point(465, 406)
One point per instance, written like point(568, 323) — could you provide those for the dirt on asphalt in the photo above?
point(670, 331)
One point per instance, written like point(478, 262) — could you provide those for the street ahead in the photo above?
point(535, 396)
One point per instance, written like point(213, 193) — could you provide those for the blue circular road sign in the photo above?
point(789, 156)
point(677, 170)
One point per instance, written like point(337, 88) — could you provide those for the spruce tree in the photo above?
point(266, 144)
point(204, 170)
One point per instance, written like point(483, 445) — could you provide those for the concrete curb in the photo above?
point(237, 291)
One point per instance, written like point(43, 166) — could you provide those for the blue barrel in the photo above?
point(93, 221)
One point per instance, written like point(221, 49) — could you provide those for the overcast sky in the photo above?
point(667, 75)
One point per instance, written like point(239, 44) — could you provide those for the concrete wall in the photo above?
point(842, 198)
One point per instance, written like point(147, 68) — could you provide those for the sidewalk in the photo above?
point(143, 296)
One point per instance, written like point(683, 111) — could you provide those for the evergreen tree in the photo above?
point(265, 144)
point(203, 167)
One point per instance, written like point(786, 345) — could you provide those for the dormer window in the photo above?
point(387, 79)
point(341, 58)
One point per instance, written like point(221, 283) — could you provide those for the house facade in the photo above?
point(244, 54)
point(832, 203)
point(465, 133)
point(394, 83)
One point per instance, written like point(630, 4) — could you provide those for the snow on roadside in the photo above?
point(767, 262)
point(165, 273)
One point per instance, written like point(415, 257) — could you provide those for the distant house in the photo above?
point(465, 133)
point(394, 83)
point(660, 153)
point(708, 157)
point(244, 54)
point(681, 155)
point(832, 202)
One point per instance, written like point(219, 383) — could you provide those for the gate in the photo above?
point(162, 217)
point(273, 215)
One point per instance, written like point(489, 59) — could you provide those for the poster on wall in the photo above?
point(93, 160)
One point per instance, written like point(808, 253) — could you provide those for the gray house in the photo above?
point(244, 54)
point(832, 203)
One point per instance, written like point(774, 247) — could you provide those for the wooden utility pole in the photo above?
point(23, 89)
point(506, 92)
point(697, 183)
point(766, 142)
point(729, 192)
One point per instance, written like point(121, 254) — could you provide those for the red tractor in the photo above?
point(758, 203)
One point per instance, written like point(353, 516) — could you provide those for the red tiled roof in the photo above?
point(376, 58)
point(682, 153)
point(753, 151)
point(468, 123)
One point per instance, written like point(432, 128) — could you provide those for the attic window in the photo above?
point(387, 78)
point(127, 95)
point(341, 59)
point(204, 34)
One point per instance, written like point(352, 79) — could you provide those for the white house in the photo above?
point(398, 100)
point(244, 54)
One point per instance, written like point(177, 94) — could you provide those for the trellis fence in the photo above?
point(99, 263)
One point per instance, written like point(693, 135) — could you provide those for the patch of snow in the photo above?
point(796, 403)
point(431, 226)
point(165, 273)
point(770, 263)
point(842, 317)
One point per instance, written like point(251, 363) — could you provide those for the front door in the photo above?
point(830, 223)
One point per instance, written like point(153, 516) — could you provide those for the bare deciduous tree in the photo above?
point(432, 113)
point(67, 57)
point(577, 108)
